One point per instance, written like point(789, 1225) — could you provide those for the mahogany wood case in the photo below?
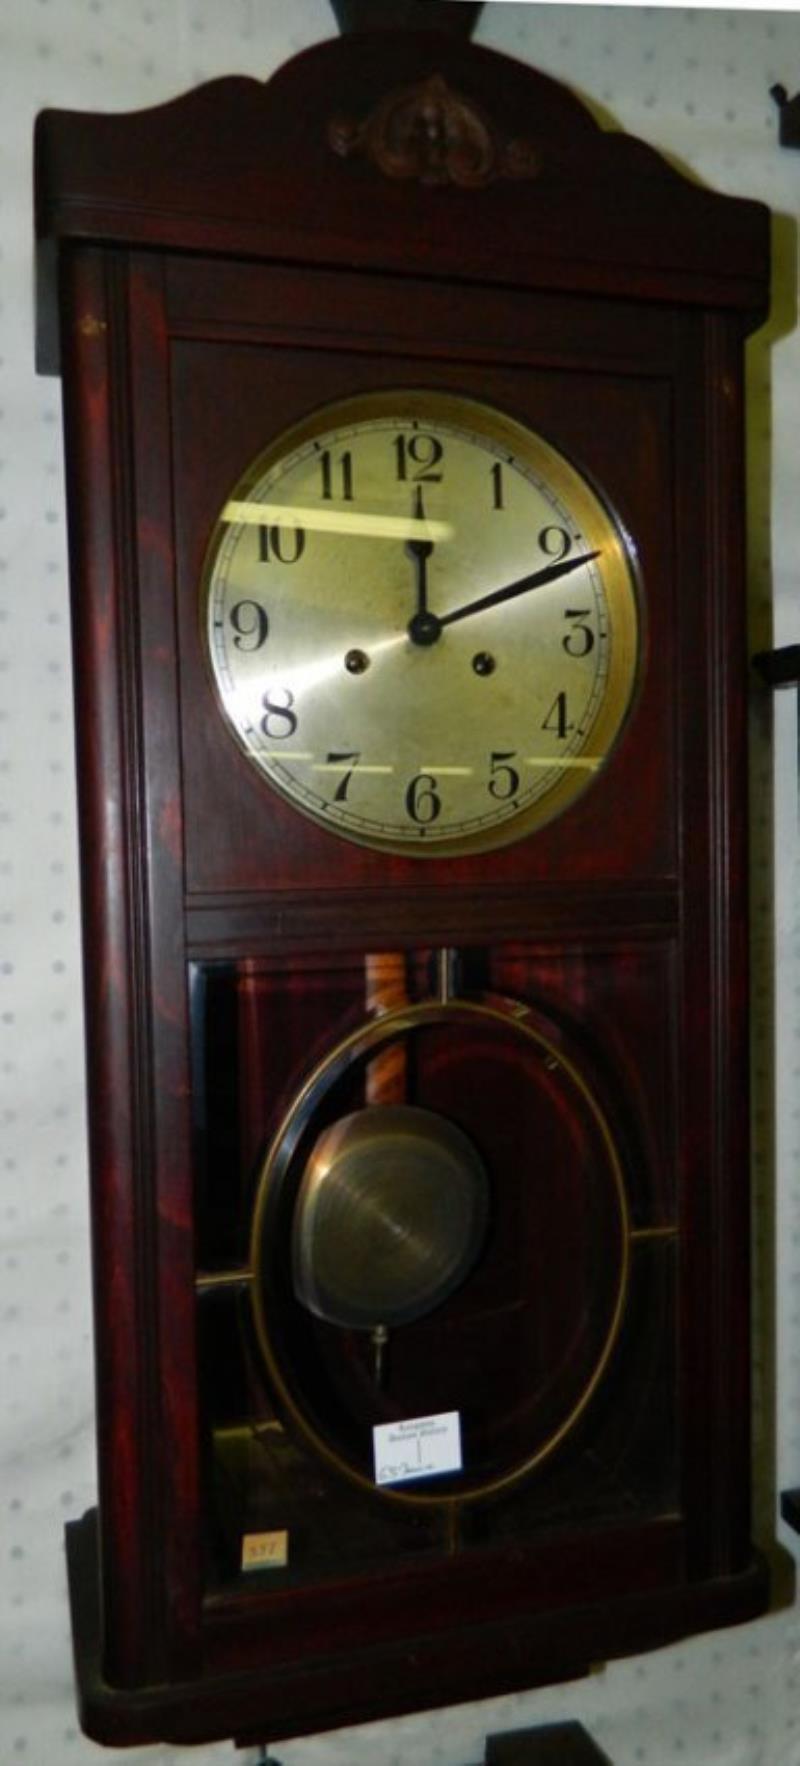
point(210, 272)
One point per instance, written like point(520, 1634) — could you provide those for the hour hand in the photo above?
point(419, 551)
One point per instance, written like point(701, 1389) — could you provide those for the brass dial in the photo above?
point(422, 623)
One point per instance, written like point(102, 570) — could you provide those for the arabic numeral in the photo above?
point(557, 718)
point(555, 542)
point(279, 720)
point(423, 802)
point(504, 779)
point(337, 476)
point(579, 640)
point(496, 476)
point(250, 624)
point(417, 458)
point(286, 544)
point(342, 759)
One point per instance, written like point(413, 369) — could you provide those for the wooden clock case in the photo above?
point(395, 211)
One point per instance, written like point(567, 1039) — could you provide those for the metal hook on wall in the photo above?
point(788, 116)
point(456, 17)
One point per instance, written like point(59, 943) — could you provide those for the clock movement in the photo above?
point(403, 426)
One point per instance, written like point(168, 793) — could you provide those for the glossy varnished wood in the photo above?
point(619, 431)
point(219, 272)
point(247, 171)
point(280, 1699)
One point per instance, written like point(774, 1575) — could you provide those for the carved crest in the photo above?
point(429, 132)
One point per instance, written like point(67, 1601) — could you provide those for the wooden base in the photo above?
point(252, 1707)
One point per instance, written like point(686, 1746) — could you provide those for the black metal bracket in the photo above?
point(788, 116)
point(555, 1744)
point(790, 1508)
point(779, 668)
point(457, 17)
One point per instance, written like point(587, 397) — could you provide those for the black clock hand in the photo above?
point(426, 627)
point(509, 592)
point(419, 552)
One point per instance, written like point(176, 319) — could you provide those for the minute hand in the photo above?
point(536, 580)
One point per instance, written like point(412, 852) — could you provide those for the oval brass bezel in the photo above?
point(359, 1045)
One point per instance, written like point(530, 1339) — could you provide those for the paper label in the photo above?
point(421, 1447)
point(265, 1551)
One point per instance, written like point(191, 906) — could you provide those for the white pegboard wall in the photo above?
point(697, 85)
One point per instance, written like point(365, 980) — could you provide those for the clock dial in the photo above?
point(421, 623)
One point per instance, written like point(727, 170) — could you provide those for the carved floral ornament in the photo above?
point(429, 132)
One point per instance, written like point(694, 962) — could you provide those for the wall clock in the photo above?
point(403, 416)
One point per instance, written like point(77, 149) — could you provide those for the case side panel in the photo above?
point(114, 934)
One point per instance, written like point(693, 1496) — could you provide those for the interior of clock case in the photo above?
point(553, 1341)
